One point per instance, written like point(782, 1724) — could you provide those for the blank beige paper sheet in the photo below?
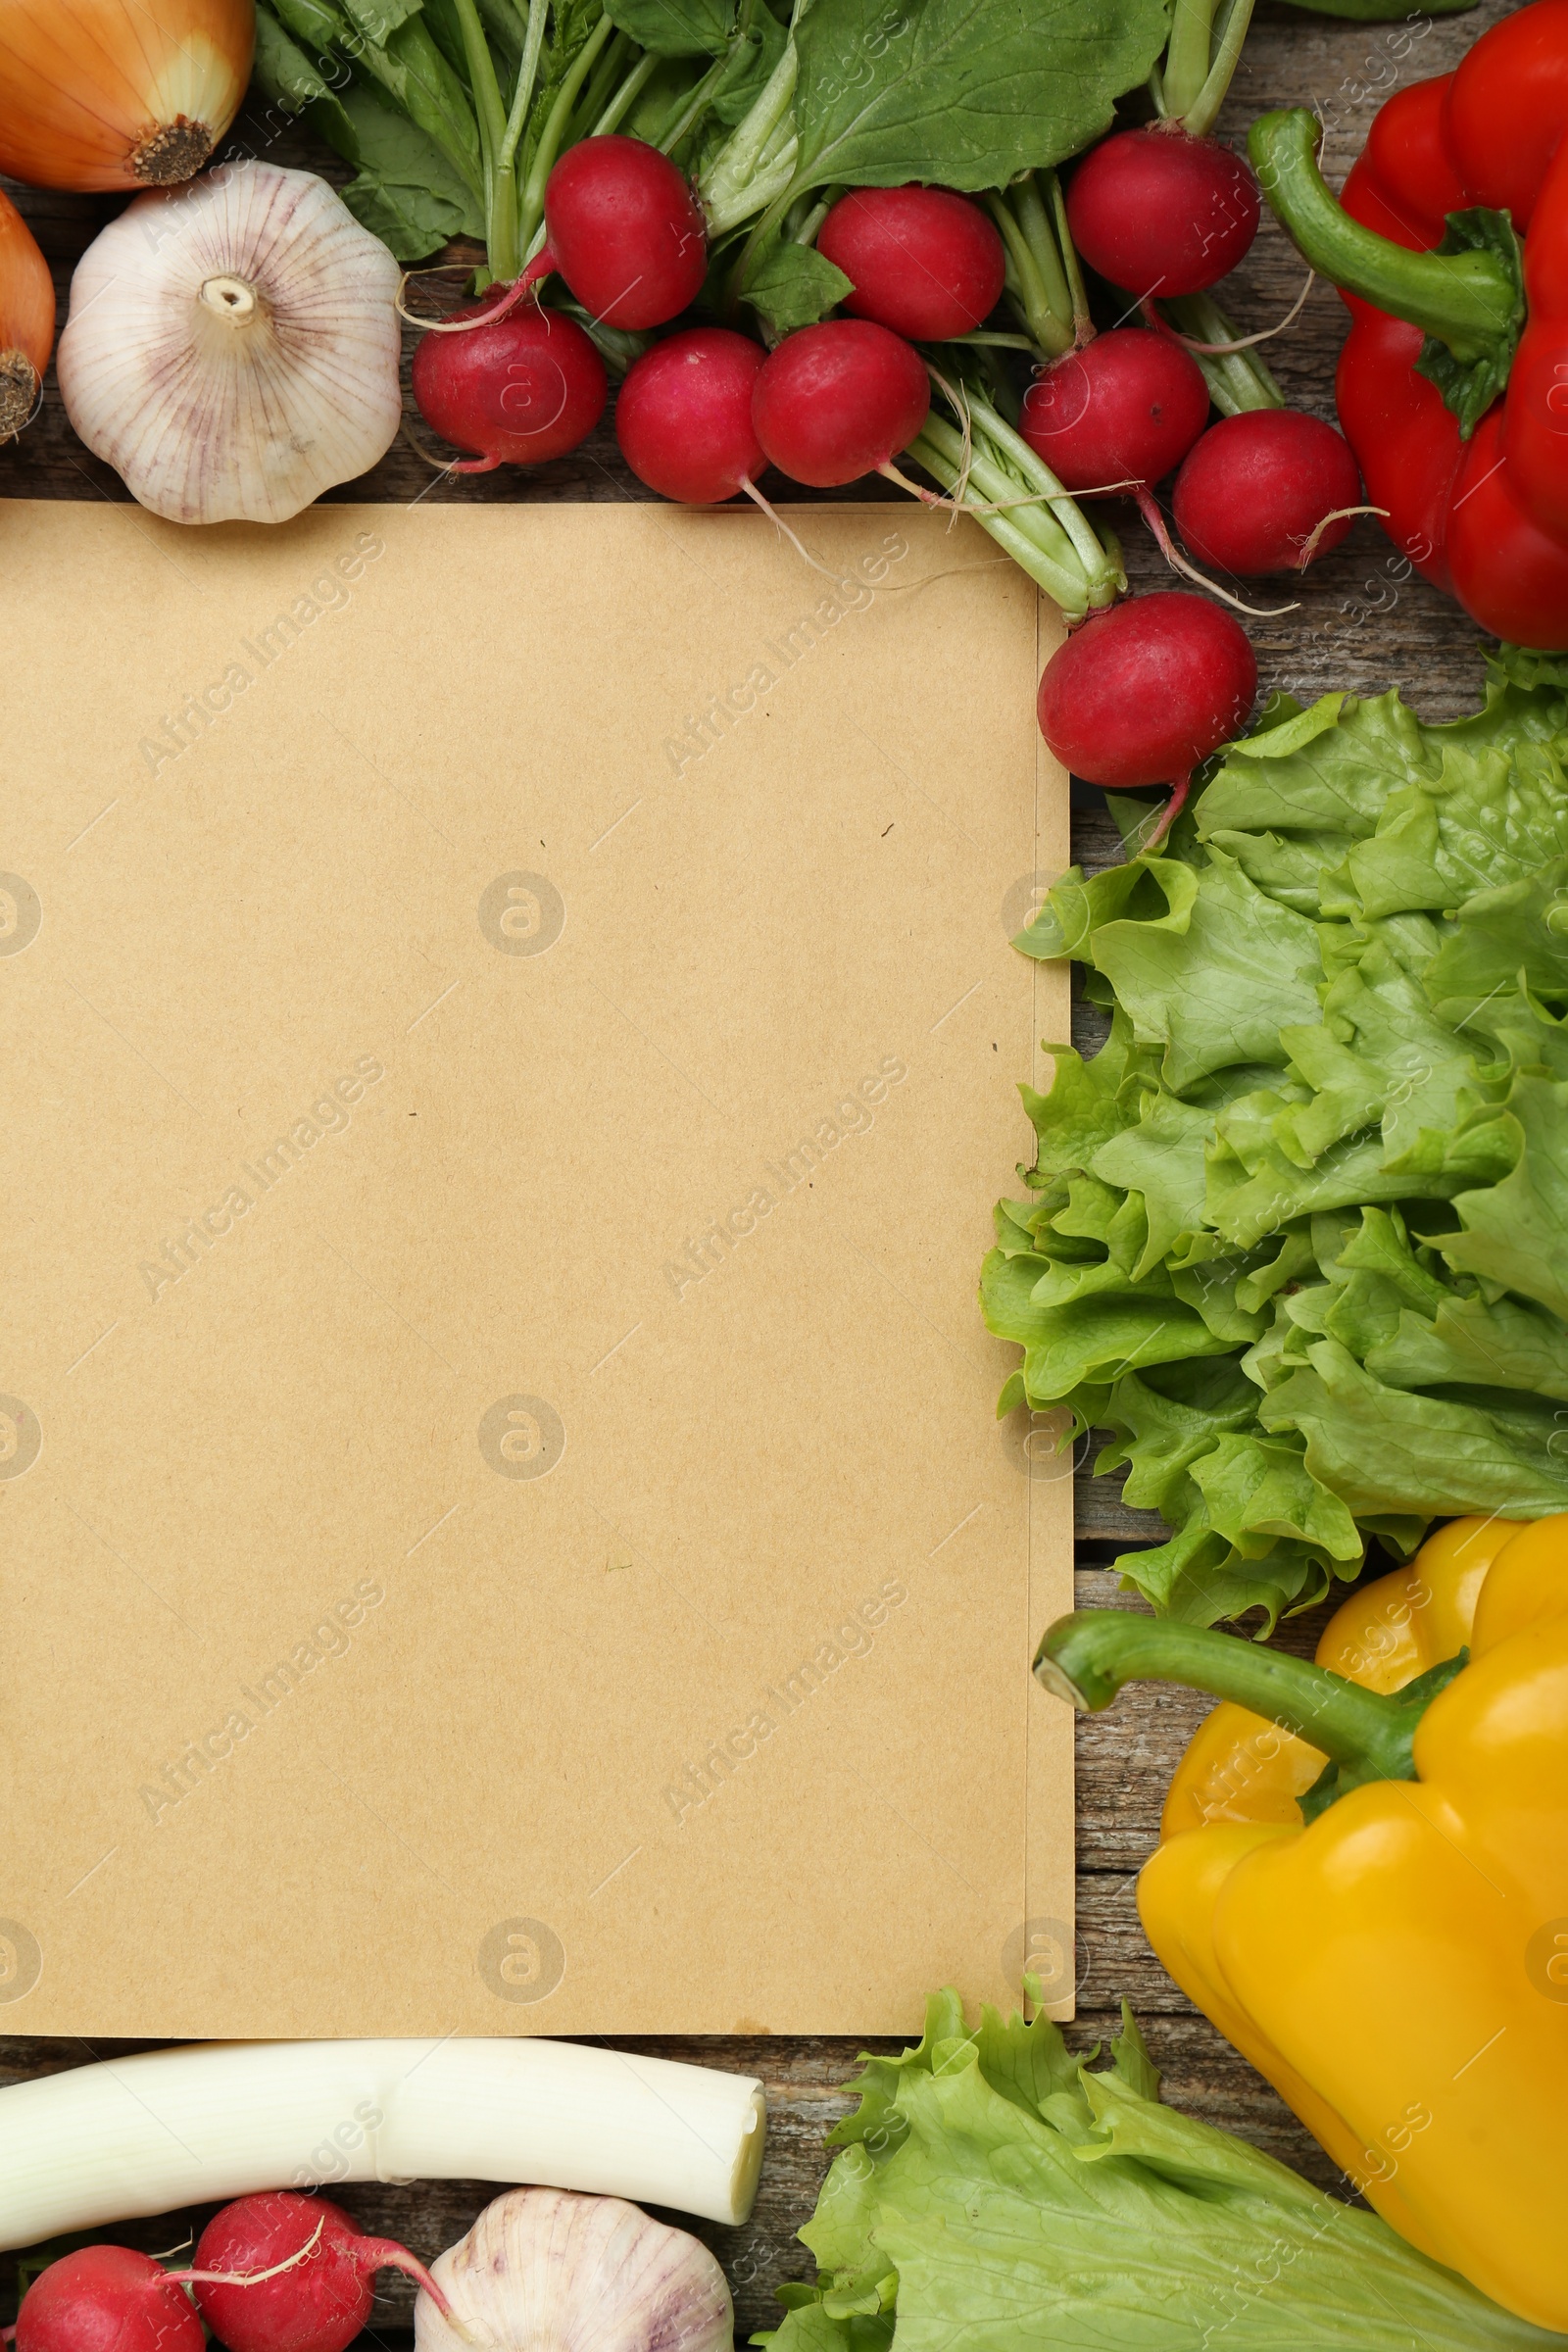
point(510, 1048)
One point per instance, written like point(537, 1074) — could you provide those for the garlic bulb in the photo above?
point(544, 2270)
point(232, 348)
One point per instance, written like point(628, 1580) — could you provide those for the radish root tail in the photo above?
point(1172, 810)
point(779, 524)
point(992, 506)
point(438, 464)
point(883, 587)
point(466, 326)
point(290, 2262)
point(447, 464)
point(1340, 515)
point(1264, 334)
point(1177, 563)
point(385, 2254)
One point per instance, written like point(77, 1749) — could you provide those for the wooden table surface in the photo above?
point(1358, 626)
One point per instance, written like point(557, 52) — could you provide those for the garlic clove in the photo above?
point(232, 349)
point(544, 2269)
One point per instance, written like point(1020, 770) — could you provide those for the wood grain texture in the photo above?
point(1356, 626)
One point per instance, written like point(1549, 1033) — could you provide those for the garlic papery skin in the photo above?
point(232, 348)
point(544, 2270)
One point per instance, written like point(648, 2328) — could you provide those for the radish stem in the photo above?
point(505, 227)
point(1038, 544)
point(596, 89)
point(1200, 56)
point(1236, 379)
point(532, 209)
point(1083, 324)
point(1199, 119)
point(630, 89)
point(491, 115)
point(1036, 474)
point(1037, 284)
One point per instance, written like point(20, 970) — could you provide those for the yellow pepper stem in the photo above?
point(1087, 1657)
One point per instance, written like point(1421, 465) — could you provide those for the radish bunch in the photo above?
point(1141, 692)
point(273, 2272)
point(518, 383)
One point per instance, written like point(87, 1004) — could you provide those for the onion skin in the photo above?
point(26, 319)
point(102, 94)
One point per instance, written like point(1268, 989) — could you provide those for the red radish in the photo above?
point(840, 400)
point(683, 416)
point(923, 260)
point(107, 2299)
point(624, 228)
point(525, 388)
point(1125, 408)
point(1158, 211)
point(319, 2298)
point(1266, 491)
point(1141, 694)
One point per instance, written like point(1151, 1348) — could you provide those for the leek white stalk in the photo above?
point(213, 2121)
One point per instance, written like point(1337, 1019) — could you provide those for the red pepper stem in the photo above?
point(1087, 1657)
point(1470, 301)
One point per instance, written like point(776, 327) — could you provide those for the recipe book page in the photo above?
point(510, 1047)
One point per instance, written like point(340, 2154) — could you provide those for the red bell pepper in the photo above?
point(1450, 249)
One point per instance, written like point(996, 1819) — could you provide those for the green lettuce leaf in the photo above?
point(992, 2193)
point(1300, 1234)
point(1216, 977)
point(1516, 1231)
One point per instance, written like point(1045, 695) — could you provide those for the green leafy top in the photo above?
point(1297, 1232)
point(675, 27)
point(992, 2193)
point(765, 102)
point(964, 92)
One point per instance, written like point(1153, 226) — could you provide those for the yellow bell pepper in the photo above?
point(1392, 1953)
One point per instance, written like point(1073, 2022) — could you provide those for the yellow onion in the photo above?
point(26, 319)
point(118, 93)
